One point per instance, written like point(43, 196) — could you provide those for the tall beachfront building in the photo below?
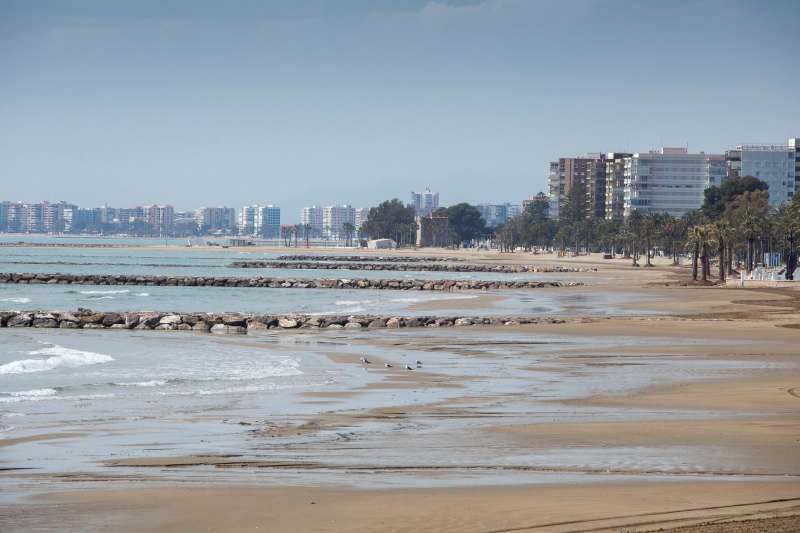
point(615, 185)
point(588, 172)
point(260, 220)
point(775, 164)
point(362, 214)
point(425, 203)
point(334, 217)
point(311, 217)
point(216, 218)
point(670, 180)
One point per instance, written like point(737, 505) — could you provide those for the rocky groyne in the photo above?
point(376, 258)
point(403, 267)
point(244, 323)
point(277, 283)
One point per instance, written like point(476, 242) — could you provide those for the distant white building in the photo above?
point(334, 217)
point(670, 181)
point(425, 203)
point(311, 217)
point(216, 218)
point(260, 220)
point(497, 214)
point(362, 214)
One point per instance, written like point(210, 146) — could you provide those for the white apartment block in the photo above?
point(312, 216)
point(262, 220)
point(362, 214)
point(670, 181)
point(334, 217)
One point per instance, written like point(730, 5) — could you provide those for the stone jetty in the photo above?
point(245, 323)
point(376, 258)
point(429, 267)
point(277, 283)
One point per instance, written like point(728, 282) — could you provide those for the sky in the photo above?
point(199, 102)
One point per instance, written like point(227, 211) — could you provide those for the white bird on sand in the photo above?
point(419, 363)
point(387, 365)
point(365, 361)
point(409, 367)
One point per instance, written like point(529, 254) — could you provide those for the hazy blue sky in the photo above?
point(208, 103)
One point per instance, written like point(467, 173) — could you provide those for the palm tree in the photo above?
point(307, 234)
point(723, 233)
point(348, 229)
point(693, 246)
point(634, 223)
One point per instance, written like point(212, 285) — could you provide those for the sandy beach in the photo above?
point(682, 419)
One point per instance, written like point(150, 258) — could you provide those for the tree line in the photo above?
point(734, 227)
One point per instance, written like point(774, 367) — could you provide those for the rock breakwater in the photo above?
point(375, 258)
point(277, 283)
point(402, 267)
point(245, 323)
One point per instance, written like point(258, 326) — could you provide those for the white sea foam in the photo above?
point(102, 298)
point(16, 300)
point(352, 302)
point(59, 357)
point(33, 392)
point(51, 397)
point(142, 294)
point(116, 291)
point(152, 383)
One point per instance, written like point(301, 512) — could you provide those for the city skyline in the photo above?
point(114, 104)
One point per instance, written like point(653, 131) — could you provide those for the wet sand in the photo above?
point(738, 432)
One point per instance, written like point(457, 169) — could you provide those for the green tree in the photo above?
point(465, 221)
point(390, 220)
point(718, 198)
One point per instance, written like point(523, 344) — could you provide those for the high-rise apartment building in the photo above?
point(216, 218)
point(261, 220)
point(570, 172)
point(334, 217)
point(362, 215)
point(425, 203)
point(160, 217)
point(311, 217)
point(775, 164)
point(615, 185)
point(670, 181)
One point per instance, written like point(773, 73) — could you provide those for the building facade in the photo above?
point(670, 181)
point(260, 220)
point(774, 164)
point(425, 202)
point(497, 214)
point(214, 219)
point(362, 215)
point(334, 218)
point(311, 218)
point(570, 172)
point(615, 185)
point(160, 217)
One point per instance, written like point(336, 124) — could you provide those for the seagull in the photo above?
point(387, 365)
point(365, 361)
point(419, 363)
point(409, 367)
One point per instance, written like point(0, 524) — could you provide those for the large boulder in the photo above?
point(222, 329)
point(170, 320)
point(44, 321)
point(464, 322)
point(22, 320)
point(113, 318)
point(353, 325)
point(393, 323)
point(234, 320)
point(287, 322)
